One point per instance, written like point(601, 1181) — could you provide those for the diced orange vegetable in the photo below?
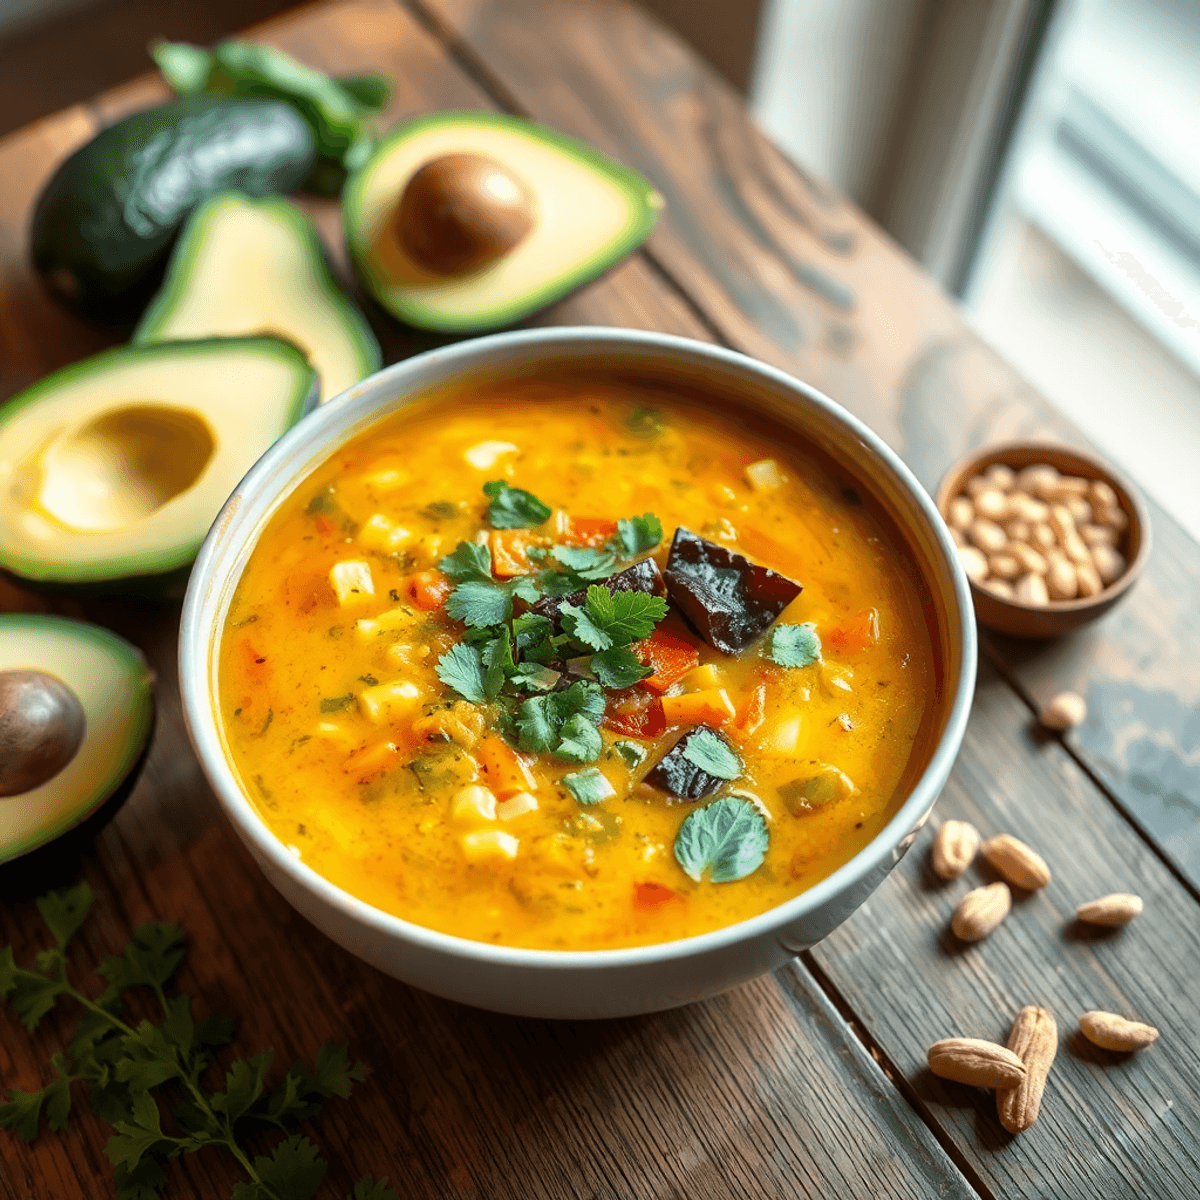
point(668, 655)
point(650, 896)
point(751, 711)
point(589, 531)
point(634, 712)
point(324, 526)
point(858, 633)
point(509, 552)
point(504, 770)
point(428, 589)
point(712, 707)
point(776, 555)
point(371, 760)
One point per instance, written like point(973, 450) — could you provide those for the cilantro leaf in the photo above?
point(461, 668)
point(150, 959)
point(31, 994)
point(58, 1102)
point(497, 657)
point(726, 840)
point(22, 1113)
point(633, 754)
point(526, 587)
point(533, 677)
point(543, 720)
point(580, 626)
point(244, 1084)
point(513, 508)
point(710, 752)
point(468, 563)
point(618, 668)
point(65, 911)
point(582, 697)
point(589, 786)
point(586, 562)
point(294, 1171)
point(368, 1188)
point(480, 604)
point(636, 535)
point(623, 617)
point(145, 1182)
point(531, 629)
point(333, 1073)
point(137, 1136)
point(795, 645)
point(580, 740)
point(538, 724)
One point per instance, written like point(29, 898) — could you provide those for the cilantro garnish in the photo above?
point(580, 740)
point(461, 668)
point(588, 786)
point(513, 508)
point(618, 668)
point(795, 645)
point(124, 1066)
point(480, 604)
point(546, 723)
point(611, 619)
point(497, 657)
point(631, 752)
point(725, 841)
point(586, 562)
point(468, 562)
point(533, 677)
point(710, 752)
point(636, 535)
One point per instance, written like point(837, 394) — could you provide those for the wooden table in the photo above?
point(810, 1082)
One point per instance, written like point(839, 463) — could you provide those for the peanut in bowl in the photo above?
point(493, 804)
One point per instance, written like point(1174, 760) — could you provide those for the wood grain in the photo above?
point(794, 275)
point(1111, 1125)
point(760, 1093)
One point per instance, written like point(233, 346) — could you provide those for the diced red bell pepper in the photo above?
point(428, 589)
point(589, 531)
point(650, 896)
point(858, 633)
point(634, 712)
point(669, 656)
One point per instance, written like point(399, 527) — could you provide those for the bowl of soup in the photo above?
point(578, 672)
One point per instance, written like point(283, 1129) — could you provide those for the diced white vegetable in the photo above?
point(784, 737)
point(489, 846)
point(473, 804)
point(339, 735)
point(352, 582)
point(516, 806)
point(392, 621)
point(484, 454)
point(388, 700)
point(763, 475)
point(380, 533)
point(388, 479)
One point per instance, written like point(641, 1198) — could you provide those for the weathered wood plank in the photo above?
point(1111, 1125)
point(761, 1093)
point(798, 277)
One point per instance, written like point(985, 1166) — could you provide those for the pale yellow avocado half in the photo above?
point(114, 687)
point(114, 468)
point(589, 212)
point(255, 266)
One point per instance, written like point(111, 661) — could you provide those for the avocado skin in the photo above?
point(105, 223)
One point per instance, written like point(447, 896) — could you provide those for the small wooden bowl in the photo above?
point(1059, 616)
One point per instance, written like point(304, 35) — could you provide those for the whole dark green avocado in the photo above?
point(105, 223)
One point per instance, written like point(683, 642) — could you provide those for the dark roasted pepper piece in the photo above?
point(726, 598)
point(643, 576)
point(680, 776)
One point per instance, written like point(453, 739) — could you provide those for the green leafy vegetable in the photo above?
point(585, 562)
point(125, 1065)
point(533, 677)
point(513, 508)
point(725, 841)
point(461, 668)
point(497, 657)
point(480, 604)
point(580, 740)
point(469, 562)
point(633, 754)
point(611, 619)
point(618, 668)
point(710, 752)
point(332, 704)
point(545, 722)
point(588, 786)
point(636, 535)
point(795, 645)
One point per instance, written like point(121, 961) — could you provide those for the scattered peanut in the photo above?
point(1043, 537)
point(976, 1062)
point(1112, 1032)
point(1064, 711)
point(1020, 866)
point(954, 848)
point(1117, 909)
point(1034, 1040)
point(980, 911)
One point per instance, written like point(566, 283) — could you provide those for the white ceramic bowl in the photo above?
point(594, 983)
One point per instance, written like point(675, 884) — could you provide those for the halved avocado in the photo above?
point(76, 711)
point(587, 212)
point(112, 469)
point(246, 266)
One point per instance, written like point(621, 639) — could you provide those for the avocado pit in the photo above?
point(460, 212)
point(41, 729)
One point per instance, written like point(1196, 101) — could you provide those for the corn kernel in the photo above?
point(472, 805)
point(484, 454)
point(706, 675)
point(352, 582)
point(388, 700)
point(764, 475)
point(392, 621)
point(516, 806)
point(486, 846)
point(379, 533)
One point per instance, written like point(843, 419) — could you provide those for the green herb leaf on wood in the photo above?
point(723, 842)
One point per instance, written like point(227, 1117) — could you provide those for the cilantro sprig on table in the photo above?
point(137, 1072)
point(501, 657)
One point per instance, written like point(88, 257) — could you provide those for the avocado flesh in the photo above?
point(589, 213)
point(114, 468)
point(115, 689)
point(246, 266)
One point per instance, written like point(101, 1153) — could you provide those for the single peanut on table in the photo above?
point(975, 1062)
point(1064, 711)
point(1115, 910)
point(1112, 1032)
point(1034, 1040)
point(954, 848)
point(1020, 866)
point(980, 911)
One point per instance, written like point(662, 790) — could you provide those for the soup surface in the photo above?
point(512, 665)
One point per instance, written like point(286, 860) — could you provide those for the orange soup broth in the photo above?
point(295, 664)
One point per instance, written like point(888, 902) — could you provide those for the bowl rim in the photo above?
point(1107, 595)
point(200, 712)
